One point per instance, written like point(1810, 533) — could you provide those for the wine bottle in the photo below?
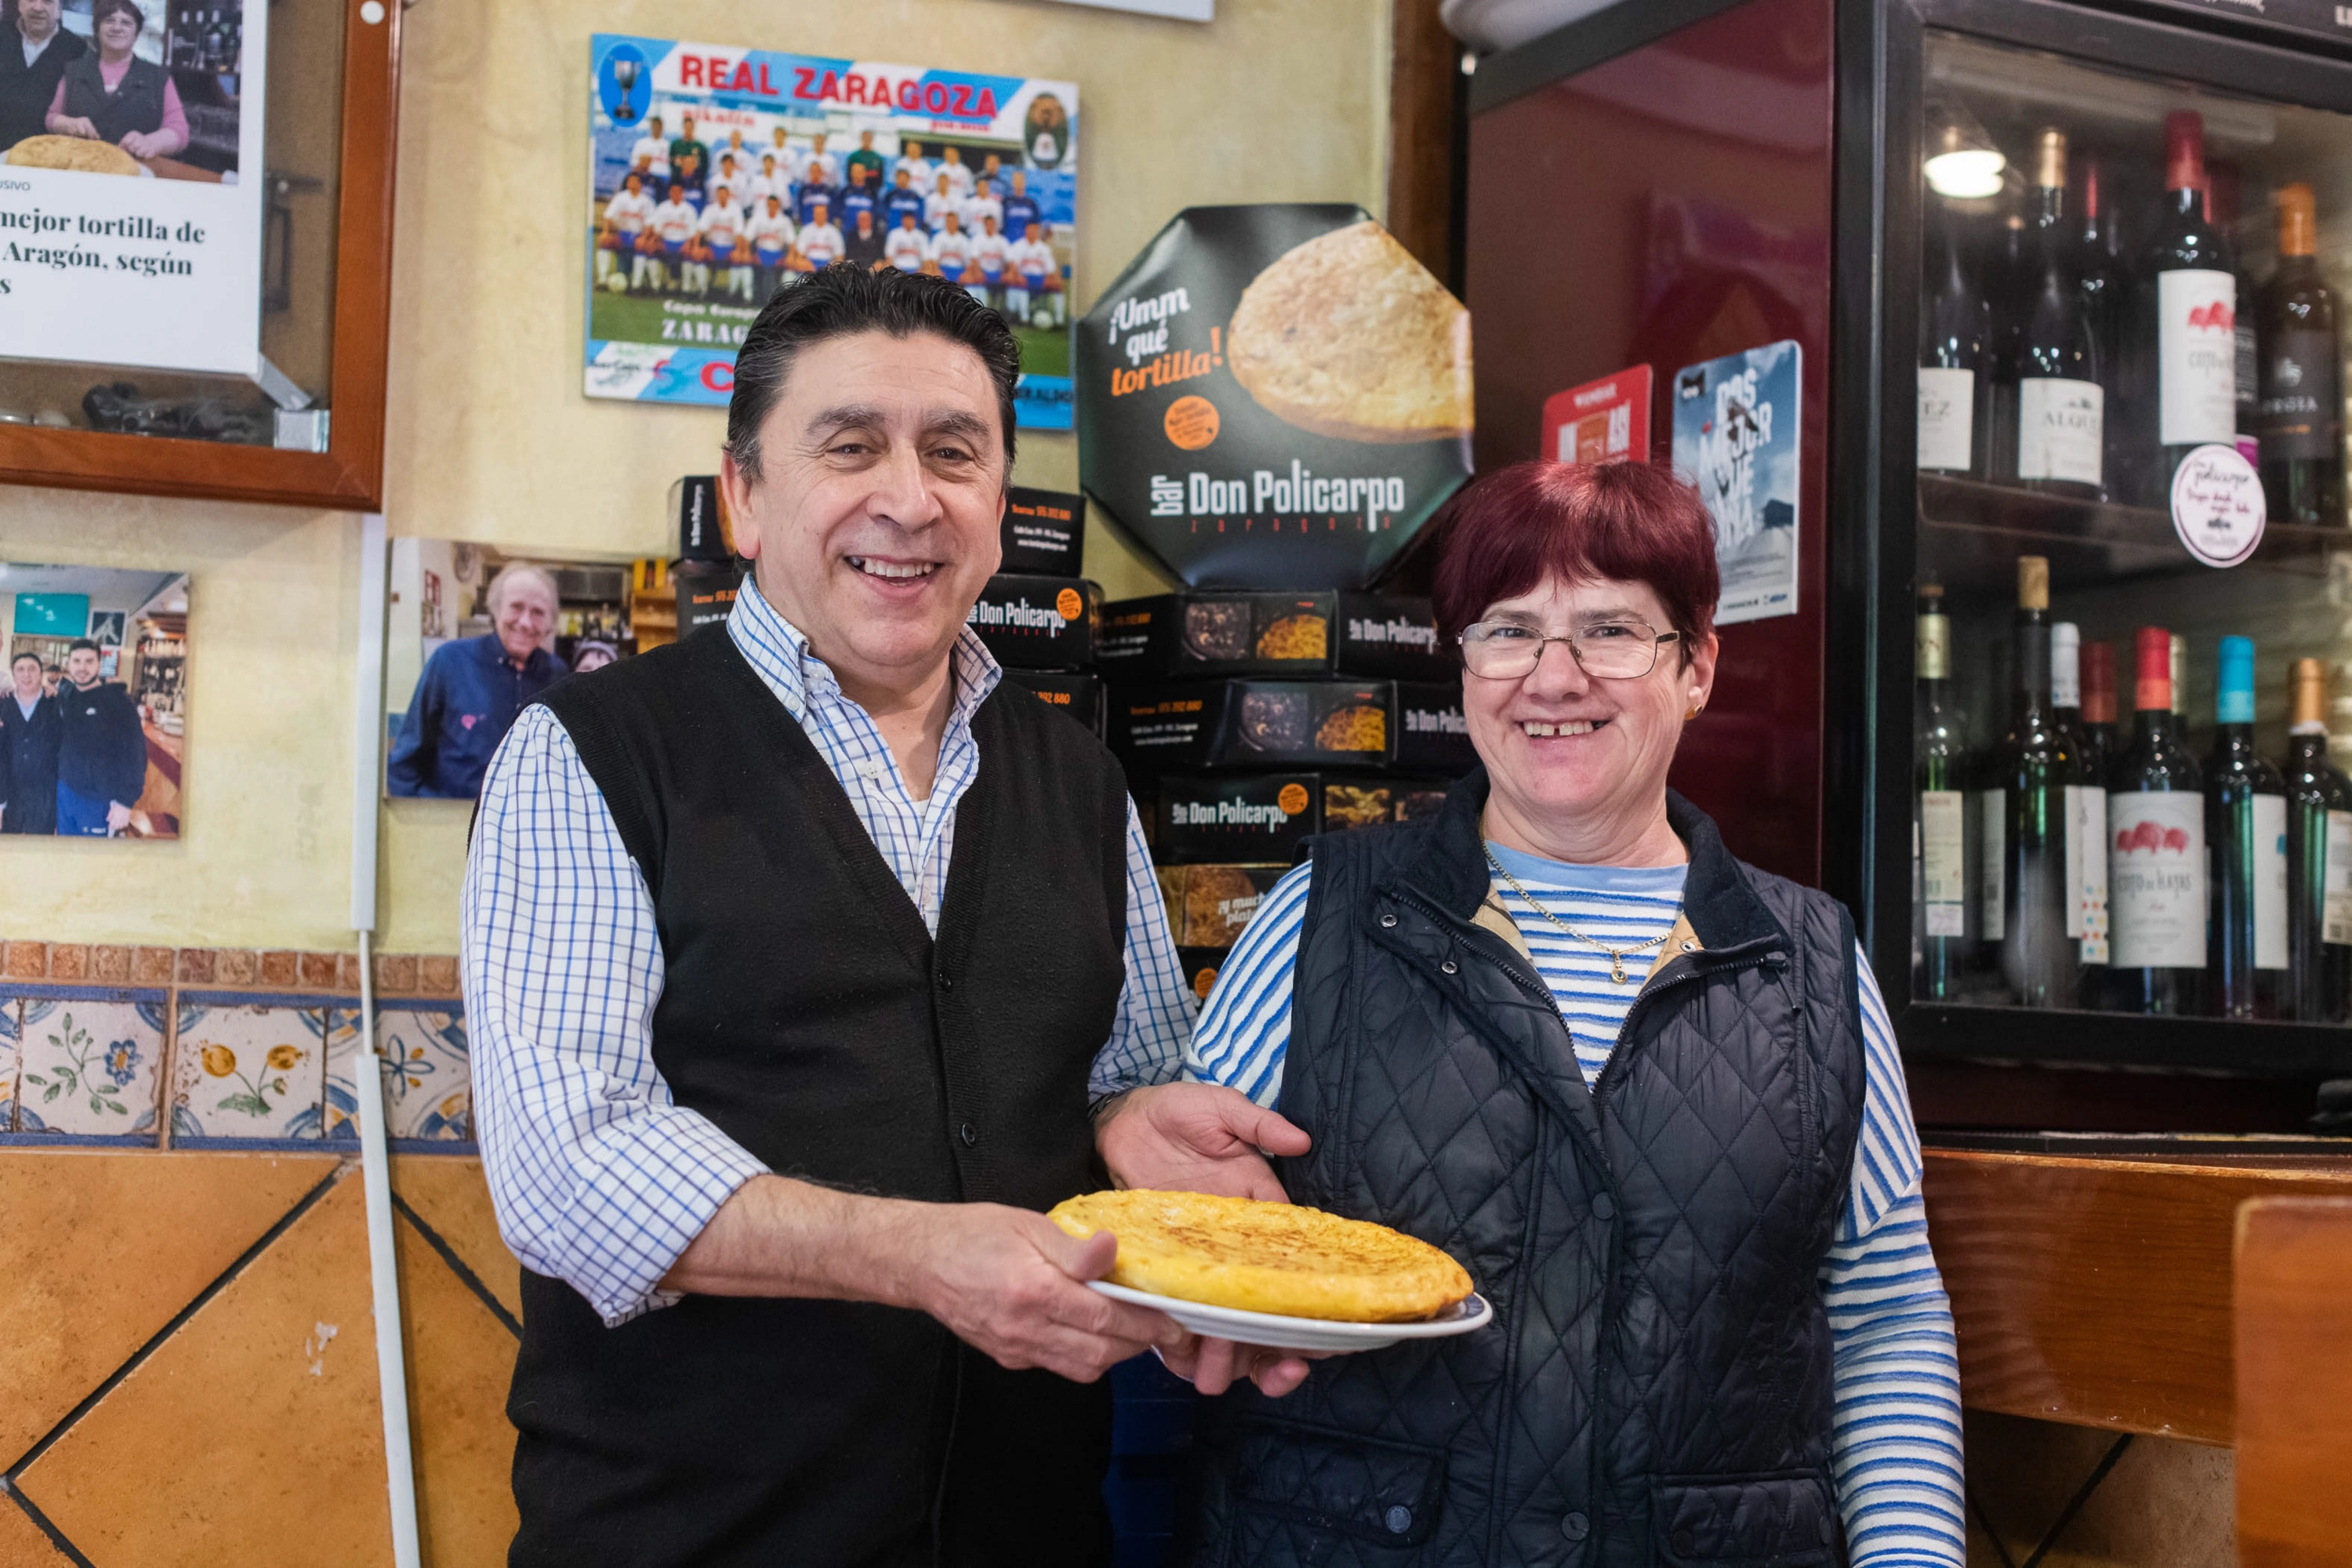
point(2177, 660)
point(2006, 274)
point(2061, 401)
point(2191, 314)
point(2301, 410)
point(2032, 776)
point(2156, 851)
point(2319, 859)
point(2245, 827)
point(2098, 667)
point(1955, 346)
point(2099, 266)
point(2086, 808)
point(2222, 211)
point(1940, 829)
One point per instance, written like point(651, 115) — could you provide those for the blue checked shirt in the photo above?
point(600, 1178)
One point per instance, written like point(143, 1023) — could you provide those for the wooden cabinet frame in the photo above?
point(350, 474)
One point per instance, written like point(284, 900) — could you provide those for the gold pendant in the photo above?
point(1617, 967)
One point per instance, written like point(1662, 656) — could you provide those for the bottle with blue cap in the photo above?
point(2245, 831)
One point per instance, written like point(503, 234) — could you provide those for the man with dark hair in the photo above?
point(30, 730)
point(102, 751)
point(798, 956)
point(33, 53)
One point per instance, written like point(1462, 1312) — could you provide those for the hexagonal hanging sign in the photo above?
point(1274, 397)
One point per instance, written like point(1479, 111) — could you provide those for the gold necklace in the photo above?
point(1616, 955)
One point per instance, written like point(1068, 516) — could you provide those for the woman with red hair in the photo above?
point(1644, 1093)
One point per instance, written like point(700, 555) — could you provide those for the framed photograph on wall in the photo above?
point(718, 174)
point(130, 131)
point(93, 728)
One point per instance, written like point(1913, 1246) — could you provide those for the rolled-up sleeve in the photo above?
point(600, 1179)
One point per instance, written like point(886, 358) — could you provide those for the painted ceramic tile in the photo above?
point(342, 1107)
point(428, 1081)
point(8, 1060)
point(248, 1069)
point(88, 1067)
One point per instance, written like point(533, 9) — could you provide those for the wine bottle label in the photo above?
point(2086, 869)
point(2336, 882)
point(2246, 364)
point(2155, 878)
point(2270, 881)
point(1947, 401)
point(1992, 813)
point(1942, 831)
point(2059, 428)
point(2197, 358)
point(2299, 417)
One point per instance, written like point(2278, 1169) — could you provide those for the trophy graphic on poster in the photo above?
point(625, 77)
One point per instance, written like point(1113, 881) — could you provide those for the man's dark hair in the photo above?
point(23, 657)
point(845, 299)
point(78, 644)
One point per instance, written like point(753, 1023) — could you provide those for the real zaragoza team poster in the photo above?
point(718, 176)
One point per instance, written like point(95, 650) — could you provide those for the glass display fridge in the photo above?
point(2062, 702)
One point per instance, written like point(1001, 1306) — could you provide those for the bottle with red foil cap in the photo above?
point(2104, 276)
point(2156, 851)
point(2099, 746)
point(2189, 314)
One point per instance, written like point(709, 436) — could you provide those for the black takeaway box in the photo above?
point(1274, 397)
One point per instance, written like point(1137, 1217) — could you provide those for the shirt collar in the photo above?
point(778, 654)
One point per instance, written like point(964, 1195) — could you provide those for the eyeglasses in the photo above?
point(1609, 650)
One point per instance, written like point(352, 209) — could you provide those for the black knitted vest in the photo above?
point(1655, 1388)
point(808, 1013)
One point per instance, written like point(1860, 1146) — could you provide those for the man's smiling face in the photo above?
point(874, 525)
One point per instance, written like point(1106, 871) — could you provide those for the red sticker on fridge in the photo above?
point(1600, 421)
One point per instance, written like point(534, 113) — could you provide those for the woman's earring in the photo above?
point(1695, 709)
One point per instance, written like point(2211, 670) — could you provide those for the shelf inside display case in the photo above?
point(2046, 1036)
point(1973, 533)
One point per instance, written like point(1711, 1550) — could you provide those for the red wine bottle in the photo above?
point(2061, 399)
point(2245, 830)
point(2099, 265)
point(2301, 411)
point(2319, 859)
point(2190, 312)
point(2156, 851)
point(1955, 351)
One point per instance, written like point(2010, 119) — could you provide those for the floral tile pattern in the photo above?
point(427, 1076)
point(249, 1066)
point(342, 1106)
point(87, 1061)
point(9, 1035)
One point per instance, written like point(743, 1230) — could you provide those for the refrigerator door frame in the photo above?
point(1873, 511)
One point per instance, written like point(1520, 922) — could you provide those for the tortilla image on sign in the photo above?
point(1274, 397)
point(1348, 335)
point(79, 155)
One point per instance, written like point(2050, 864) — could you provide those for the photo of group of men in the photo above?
point(726, 219)
point(90, 714)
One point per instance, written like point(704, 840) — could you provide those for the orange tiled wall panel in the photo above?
point(192, 1366)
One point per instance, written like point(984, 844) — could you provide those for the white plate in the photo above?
point(1282, 1333)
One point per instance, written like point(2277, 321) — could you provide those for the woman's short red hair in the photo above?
point(1630, 523)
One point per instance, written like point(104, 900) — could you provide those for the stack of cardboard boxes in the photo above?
point(1252, 721)
point(1038, 616)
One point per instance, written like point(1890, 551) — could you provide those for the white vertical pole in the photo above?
point(375, 1156)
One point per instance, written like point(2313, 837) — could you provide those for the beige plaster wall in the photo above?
point(491, 439)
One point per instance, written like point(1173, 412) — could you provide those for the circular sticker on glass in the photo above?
point(2216, 505)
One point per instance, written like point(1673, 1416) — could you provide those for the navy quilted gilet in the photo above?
point(1655, 1388)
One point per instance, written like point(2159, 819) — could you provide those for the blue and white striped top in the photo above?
point(1896, 1455)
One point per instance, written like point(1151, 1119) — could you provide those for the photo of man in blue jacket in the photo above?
point(472, 688)
point(101, 752)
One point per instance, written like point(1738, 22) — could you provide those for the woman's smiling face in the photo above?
point(1576, 759)
point(117, 31)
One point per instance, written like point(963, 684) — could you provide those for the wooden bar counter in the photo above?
point(2095, 1288)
